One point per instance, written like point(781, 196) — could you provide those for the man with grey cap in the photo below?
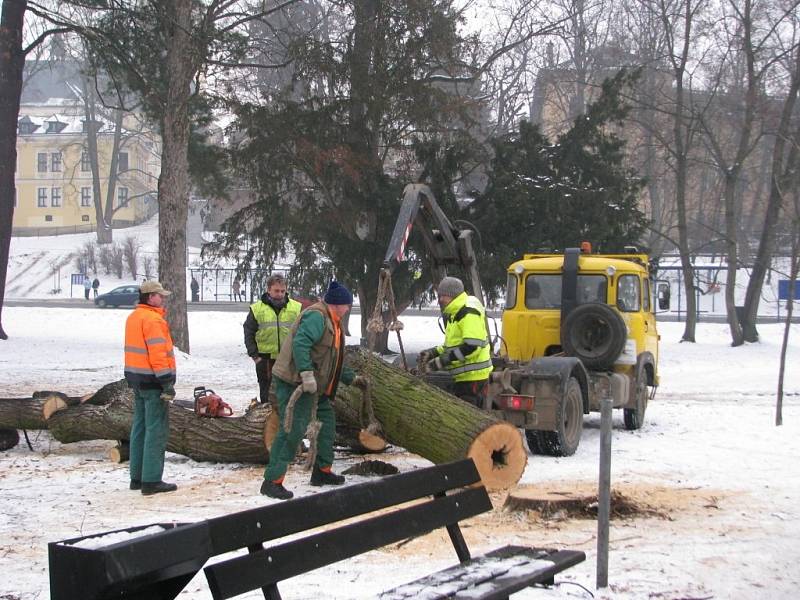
point(465, 354)
point(150, 371)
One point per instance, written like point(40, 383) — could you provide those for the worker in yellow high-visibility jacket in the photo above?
point(266, 328)
point(466, 353)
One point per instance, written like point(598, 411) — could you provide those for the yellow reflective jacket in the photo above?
point(466, 340)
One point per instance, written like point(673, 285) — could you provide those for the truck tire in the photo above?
point(564, 441)
point(595, 334)
point(634, 417)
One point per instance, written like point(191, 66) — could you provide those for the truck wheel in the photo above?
point(634, 417)
point(594, 333)
point(564, 441)
point(535, 445)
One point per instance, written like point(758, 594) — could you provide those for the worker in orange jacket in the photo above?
point(150, 371)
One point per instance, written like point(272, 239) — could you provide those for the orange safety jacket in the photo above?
point(149, 354)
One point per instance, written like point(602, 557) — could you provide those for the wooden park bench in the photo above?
point(434, 497)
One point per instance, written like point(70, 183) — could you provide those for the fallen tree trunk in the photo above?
point(230, 439)
point(434, 424)
point(419, 417)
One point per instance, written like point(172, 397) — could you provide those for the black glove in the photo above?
point(427, 355)
point(168, 393)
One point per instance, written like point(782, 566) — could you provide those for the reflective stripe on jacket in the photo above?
point(466, 339)
point(149, 354)
point(273, 328)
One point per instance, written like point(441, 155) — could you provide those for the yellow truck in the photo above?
point(576, 327)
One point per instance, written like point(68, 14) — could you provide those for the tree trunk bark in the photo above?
point(173, 183)
point(436, 425)
point(419, 417)
point(232, 439)
point(12, 60)
point(103, 228)
point(782, 172)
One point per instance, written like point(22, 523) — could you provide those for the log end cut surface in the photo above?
point(499, 455)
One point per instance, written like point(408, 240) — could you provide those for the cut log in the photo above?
point(120, 453)
point(232, 439)
point(550, 502)
point(22, 413)
point(412, 414)
point(436, 425)
point(370, 442)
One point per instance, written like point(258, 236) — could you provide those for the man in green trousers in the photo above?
point(150, 371)
point(311, 359)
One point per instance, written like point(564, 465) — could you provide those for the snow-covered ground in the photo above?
point(720, 479)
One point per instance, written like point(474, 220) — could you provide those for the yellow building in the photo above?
point(53, 173)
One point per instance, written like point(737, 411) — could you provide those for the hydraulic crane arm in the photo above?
point(447, 245)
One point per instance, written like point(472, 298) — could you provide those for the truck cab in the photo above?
point(577, 327)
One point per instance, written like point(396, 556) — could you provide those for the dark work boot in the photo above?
point(320, 477)
point(275, 490)
point(157, 487)
point(136, 484)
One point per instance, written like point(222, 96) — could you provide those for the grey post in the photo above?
point(604, 492)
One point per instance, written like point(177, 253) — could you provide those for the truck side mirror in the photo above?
point(663, 294)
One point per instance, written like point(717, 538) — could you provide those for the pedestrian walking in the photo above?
point(237, 287)
point(266, 327)
point(96, 286)
point(87, 286)
point(150, 371)
point(311, 364)
point(195, 290)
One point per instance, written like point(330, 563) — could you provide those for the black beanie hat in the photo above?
point(338, 294)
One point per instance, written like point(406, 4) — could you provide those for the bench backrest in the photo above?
point(265, 567)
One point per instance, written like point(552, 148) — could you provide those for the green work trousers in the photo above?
point(284, 446)
point(149, 434)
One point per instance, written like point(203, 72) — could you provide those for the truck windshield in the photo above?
point(544, 291)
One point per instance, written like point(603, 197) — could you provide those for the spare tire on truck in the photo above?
point(595, 333)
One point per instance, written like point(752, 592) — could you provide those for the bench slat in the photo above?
point(271, 565)
point(493, 576)
point(275, 521)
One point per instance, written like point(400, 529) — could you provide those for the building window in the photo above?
point(122, 163)
point(48, 217)
point(86, 196)
point(41, 162)
point(122, 196)
point(85, 164)
point(55, 196)
point(55, 164)
point(85, 218)
point(41, 197)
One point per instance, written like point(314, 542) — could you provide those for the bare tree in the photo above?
point(733, 126)
point(679, 18)
point(783, 172)
point(12, 62)
point(130, 251)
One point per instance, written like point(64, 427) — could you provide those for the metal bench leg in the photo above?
point(270, 591)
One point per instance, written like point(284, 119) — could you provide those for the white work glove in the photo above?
point(309, 383)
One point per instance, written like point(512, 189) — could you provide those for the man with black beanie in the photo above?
point(311, 363)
